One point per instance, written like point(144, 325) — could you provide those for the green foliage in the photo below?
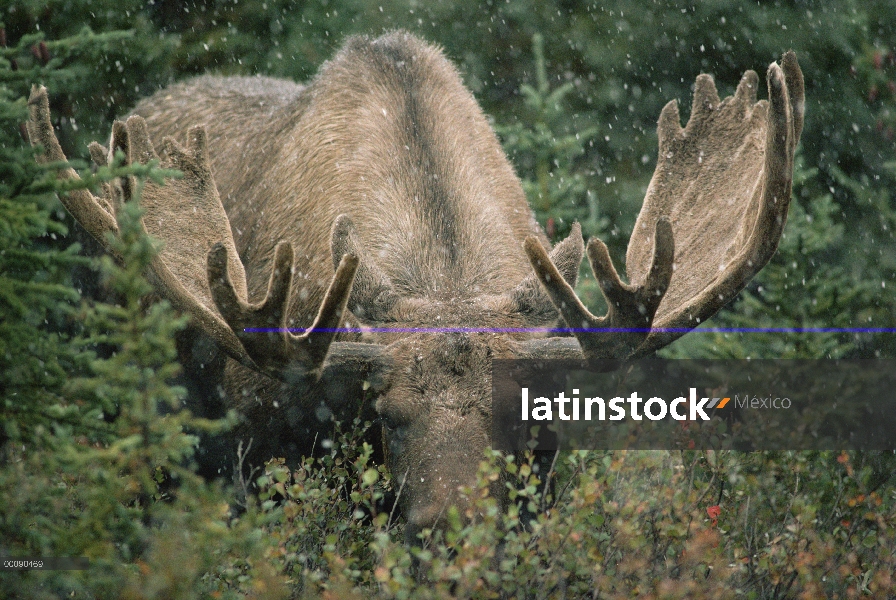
point(95, 453)
point(557, 190)
point(104, 73)
point(35, 296)
point(96, 456)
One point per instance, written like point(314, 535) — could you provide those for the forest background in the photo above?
point(90, 467)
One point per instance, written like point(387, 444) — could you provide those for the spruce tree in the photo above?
point(95, 452)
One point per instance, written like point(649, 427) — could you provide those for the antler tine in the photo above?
point(706, 99)
point(631, 308)
point(669, 127)
point(629, 303)
point(139, 147)
point(780, 145)
point(796, 88)
point(373, 297)
point(261, 327)
point(779, 149)
point(92, 212)
point(99, 154)
point(561, 293)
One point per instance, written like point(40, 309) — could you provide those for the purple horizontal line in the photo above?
point(579, 330)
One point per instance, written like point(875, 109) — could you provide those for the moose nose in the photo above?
point(420, 518)
point(433, 513)
point(434, 516)
point(427, 517)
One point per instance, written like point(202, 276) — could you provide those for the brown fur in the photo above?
point(385, 168)
point(388, 135)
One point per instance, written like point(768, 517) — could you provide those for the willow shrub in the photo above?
point(652, 524)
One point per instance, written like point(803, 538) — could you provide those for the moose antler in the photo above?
point(262, 327)
point(721, 189)
point(631, 308)
point(187, 215)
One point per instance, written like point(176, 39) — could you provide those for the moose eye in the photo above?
point(393, 423)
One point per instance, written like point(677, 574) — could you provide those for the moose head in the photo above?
point(375, 211)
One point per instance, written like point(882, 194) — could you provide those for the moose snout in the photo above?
point(430, 516)
point(443, 491)
point(435, 491)
point(434, 515)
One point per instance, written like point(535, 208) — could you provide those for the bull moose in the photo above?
point(375, 211)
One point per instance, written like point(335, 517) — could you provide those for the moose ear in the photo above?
point(529, 297)
point(372, 297)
